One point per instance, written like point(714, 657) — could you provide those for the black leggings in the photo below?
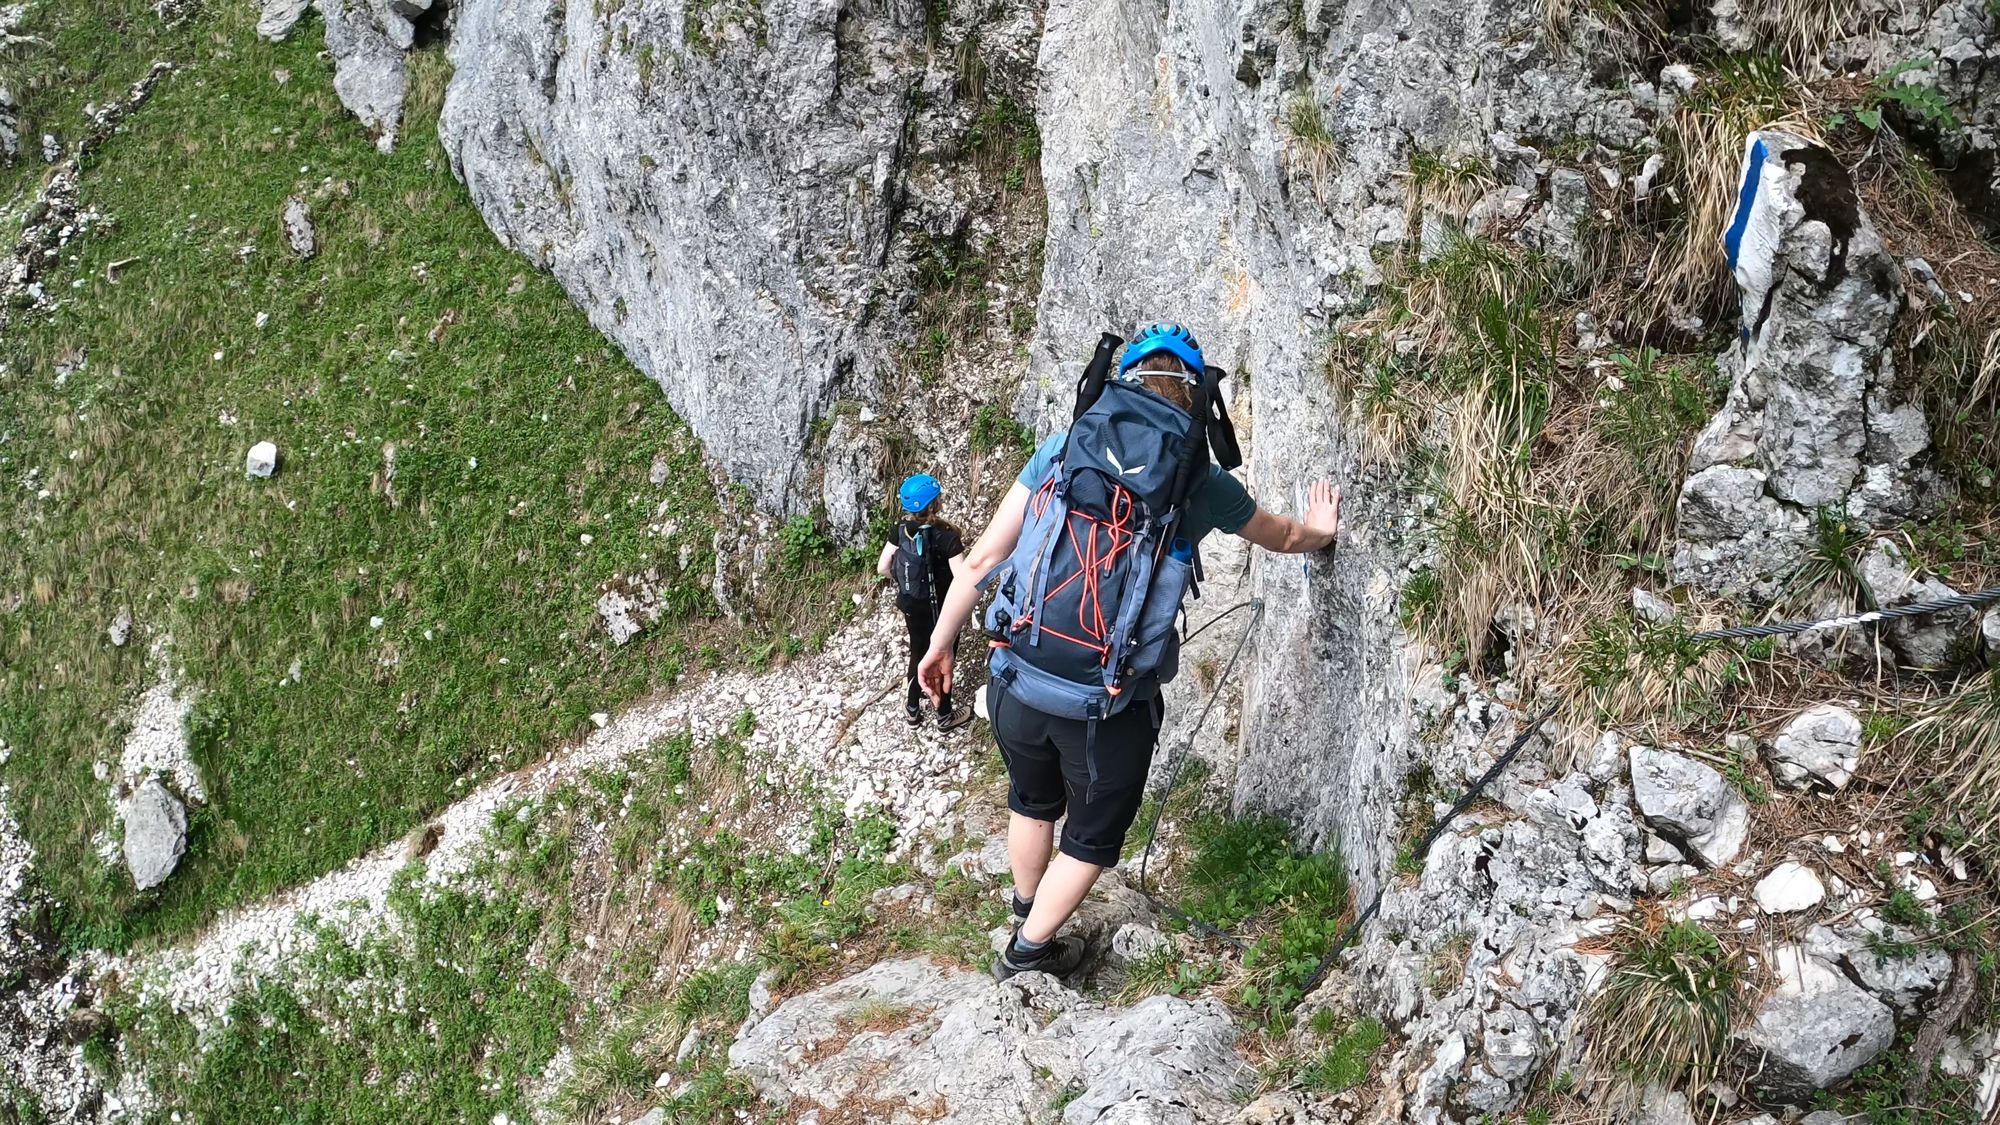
point(920, 621)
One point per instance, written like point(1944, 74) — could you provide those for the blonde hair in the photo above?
point(1173, 387)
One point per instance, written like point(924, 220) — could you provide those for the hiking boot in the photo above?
point(953, 719)
point(1060, 957)
point(913, 714)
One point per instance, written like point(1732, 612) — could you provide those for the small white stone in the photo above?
point(1704, 909)
point(1833, 845)
point(262, 460)
point(263, 318)
point(374, 623)
point(1789, 887)
point(586, 539)
point(1905, 859)
point(601, 719)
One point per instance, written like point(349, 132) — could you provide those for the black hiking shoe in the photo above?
point(913, 714)
point(1060, 957)
point(953, 719)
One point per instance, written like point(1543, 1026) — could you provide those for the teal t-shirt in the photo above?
point(1220, 503)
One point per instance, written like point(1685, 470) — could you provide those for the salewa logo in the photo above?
point(1122, 470)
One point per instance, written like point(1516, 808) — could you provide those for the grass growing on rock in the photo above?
point(1248, 875)
point(1664, 1015)
point(1346, 1063)
point(408, 606)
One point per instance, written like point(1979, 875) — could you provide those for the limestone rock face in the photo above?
point(1902, 981)
point(1813, 419)
point(1933, 641)
point(277, 18)
point(370, 74)
point(913, 1040)
point(734, 193)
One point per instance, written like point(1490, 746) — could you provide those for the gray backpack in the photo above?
point(1083, 618)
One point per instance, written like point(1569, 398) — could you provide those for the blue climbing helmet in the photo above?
point(1163, 338)
point(918, 491)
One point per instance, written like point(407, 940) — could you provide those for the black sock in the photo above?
point(1022, 906)
point(1025, 952)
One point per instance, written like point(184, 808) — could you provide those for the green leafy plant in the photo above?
point(801, 541)
point(1922, 105)
point(1903, 909)
point(1247, 873)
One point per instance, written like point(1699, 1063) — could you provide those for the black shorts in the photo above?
point(1051, 763)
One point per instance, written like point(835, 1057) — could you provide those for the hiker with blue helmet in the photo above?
point(921, 557)
point(1089, 558)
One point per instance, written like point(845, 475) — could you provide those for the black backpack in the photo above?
point(916, 578)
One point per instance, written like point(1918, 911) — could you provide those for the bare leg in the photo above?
point(1061, 892)
point(1029, 843)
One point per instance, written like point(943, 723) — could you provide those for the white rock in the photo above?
point(1790, 887)
point(1705, 909)
point(600, 719)
point(1832, 844)
point(1687, 800)
point(1820, 747)
point(1652, 608)
point(155, 833)
point(262, 460)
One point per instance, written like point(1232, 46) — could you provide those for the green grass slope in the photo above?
point(522, 450)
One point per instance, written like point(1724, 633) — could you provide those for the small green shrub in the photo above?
point(993, 429)
point(802, 542)
point(1903, 909)
point(1920, 105)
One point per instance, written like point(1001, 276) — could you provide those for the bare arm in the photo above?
point(887, 557)
point(1296, 537)
point(968, 571)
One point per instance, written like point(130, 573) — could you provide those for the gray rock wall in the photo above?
point(726, 189)
point(1177, 191)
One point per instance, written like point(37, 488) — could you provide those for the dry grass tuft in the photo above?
point(1312, 149)
point(1664, 1015)
point(1798, 32)
point(1959, 733)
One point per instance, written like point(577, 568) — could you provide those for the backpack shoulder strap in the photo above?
point(1221, 431)
point(1091, 385)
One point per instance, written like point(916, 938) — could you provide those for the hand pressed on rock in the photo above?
point(1323, 510)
